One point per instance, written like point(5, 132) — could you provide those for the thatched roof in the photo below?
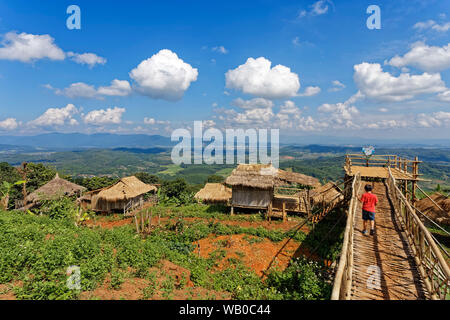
point(214, 192)
point(266, 176)
point(55, 188)
point(328, 194)
point(125, 189)
point(432, 211)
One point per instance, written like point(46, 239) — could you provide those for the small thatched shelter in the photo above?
point(326, 195)
point(253, 185)
point(127, 194)
point(53, 189)
point(214, 193)
point(427, 207)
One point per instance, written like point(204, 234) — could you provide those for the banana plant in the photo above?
point(5, 189)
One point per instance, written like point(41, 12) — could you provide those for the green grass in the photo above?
point(37, 250)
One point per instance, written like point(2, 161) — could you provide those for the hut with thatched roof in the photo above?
point(214, 193)
point(55, 188)
point(127, 194)
point(433, 211)
point(327, 195)
point(253, 186)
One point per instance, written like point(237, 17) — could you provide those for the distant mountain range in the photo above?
point(70, 141)
point(80, 140)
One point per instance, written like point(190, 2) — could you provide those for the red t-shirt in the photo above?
point(369, 201)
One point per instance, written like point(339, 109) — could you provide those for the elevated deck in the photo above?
point(377, 167)
point(378, 172)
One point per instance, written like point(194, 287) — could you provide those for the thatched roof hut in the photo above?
point(117, 196)
point(214, 193)
point(328, 194)
point(266, 176)
point(55, 188)
point(427, 206)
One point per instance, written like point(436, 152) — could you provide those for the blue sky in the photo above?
point(153, 66)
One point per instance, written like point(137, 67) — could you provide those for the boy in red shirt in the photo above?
point(369, 201)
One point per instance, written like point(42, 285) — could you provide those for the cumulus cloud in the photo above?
point(256, 77)
point(387, 124)
point(82, 90)
point(252, 103)
point(316, 9)
point(102, 117)
point(433, 25)
point(56, 117)
point(424, 57)
point(117, 88)
point(436, 119)
point(152, 121)
point(91, 59)
point(444, 96)
point(340, 114)
point(78, 90)
point(310, 91)
point(8, 124)
point(374, 83)
point(27, 47)
point(164, 76)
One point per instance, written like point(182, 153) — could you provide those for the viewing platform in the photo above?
point(377, 167)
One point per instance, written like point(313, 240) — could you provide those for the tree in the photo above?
point(5, 189)
point(148, 178)
point(215, 178)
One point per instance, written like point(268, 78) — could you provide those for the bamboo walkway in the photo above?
point(384, 267)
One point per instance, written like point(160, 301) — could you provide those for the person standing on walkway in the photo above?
point(369, 201)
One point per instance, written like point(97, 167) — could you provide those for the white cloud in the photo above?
point(256, 77)
point(424, 57)
point(8, 124)
point(117, 88)
point(102, 117)
point(340, 114)
point(220, 49)
point(150, 121)
point(337, 86)
point(431, 24)
point(383, 110)
point(310, 91)
point(436, 119)
point(387, 124)
point(164, 76)
point(91, 59)
point(320, 7)
point(56, 117)
point(82, 90)
point(374, 83)
point(27, 47)
point(253, 103)
point(444, 96)
point(296, 41)
point(78, 90)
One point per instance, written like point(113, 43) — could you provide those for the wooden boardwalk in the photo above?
point(384, 267)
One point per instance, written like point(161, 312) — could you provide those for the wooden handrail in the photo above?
point(343, 278)
point(431, 263)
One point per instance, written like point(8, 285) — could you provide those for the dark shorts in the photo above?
point(367, 215)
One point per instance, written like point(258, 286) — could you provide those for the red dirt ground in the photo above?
point(259, 256)
point(133, 288)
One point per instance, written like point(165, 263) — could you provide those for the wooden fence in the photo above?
point(432, 265)
point(343, 278)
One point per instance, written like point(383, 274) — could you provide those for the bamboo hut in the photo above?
point(253, 186)
point(430, 209)
point(326, 195)
point(214, 193)
point(127, 194)
point(55, 188)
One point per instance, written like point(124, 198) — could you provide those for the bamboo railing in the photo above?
point(431, 263)
point(343, 278)
point(392, 161)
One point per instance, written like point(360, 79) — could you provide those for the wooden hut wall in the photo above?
point(251, 197)
point(292, 203)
